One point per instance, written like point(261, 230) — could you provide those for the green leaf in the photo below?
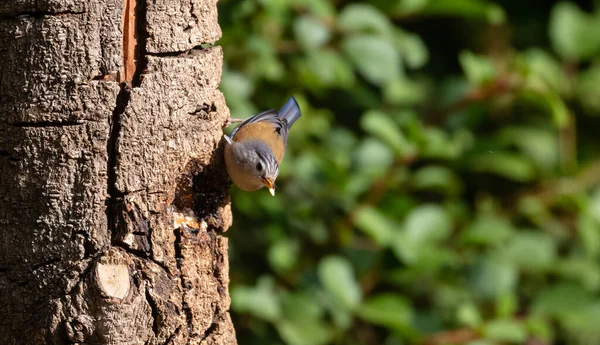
point(337, 276)
point(261, 301)
point(382, 126)
point(594, 205)
point(506, 305)
point(326, 68)
point(544, 67)
point(589, 233)
point(574, 34)
point(322, 9)
point(375, 224)
point(583, 324)
point(389, 310)
point(265, 61)
point(311, 32)
point(403, 91)
point(439, 145)
point(475, 9)
point(412, 48)
point(561, 300)
point(283, 255)
point(541, 328)
point(372, 159)
point(304, 332)
point(492, 278)
point(477, 68)
point(538, 144)
point(437, 179)
point(468, 315)
point(508, 165)
point(236, 83)
point(301, 306)
point(374, 56)
point(549, 101)
point(587, 90)
point(558, 109)
point(424, 227)
point(506, 331)
point(427, 223)
point(487, 230)
point(531, 251)
point(364, 18)
point(410, 6)
point(303, 320)
point(584, 270)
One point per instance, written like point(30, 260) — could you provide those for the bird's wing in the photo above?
point(271, 116)
point(264, 132)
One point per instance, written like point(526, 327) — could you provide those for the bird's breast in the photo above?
point(239, 176)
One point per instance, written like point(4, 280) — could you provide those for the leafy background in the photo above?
point(442, 186)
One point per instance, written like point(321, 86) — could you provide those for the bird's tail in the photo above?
point(290, 111)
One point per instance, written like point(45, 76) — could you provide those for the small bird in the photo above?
point(256, 147)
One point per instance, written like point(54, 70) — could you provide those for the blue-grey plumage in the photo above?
point(290, 111)
point(257, 145)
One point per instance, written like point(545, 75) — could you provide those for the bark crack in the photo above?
point(154, 309)
point(45, 263)
point(193, 12)
point(140, 36)
point(170, 338)
point(182, 53)
point(140, 254)
point(115, 129)
point(134, 42)
point(210, 330)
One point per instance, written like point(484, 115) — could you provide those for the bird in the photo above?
point(255, 149)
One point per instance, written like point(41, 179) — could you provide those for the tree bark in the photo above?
point(112, 186)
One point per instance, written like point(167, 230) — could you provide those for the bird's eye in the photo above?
point(258, 166)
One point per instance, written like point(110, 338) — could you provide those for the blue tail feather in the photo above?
point(290, 111)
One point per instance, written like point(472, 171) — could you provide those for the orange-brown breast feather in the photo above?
point(265, 132)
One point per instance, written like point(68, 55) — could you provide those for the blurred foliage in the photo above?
point(442, 186)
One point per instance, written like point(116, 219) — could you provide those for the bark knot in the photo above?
point(79, 328)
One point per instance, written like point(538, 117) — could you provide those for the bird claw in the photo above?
point(231, 121)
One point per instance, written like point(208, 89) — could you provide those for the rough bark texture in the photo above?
point(112, 196)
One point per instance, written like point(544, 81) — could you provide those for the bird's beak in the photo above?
point(269, 184)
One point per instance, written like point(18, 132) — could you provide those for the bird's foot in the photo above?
point(231, 121)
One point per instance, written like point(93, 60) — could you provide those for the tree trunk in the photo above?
point(112, 187)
